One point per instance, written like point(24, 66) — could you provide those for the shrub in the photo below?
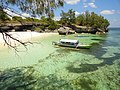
point(51, 27)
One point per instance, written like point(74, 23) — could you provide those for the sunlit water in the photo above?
point(44, 67)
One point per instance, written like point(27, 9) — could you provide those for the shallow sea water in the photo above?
point(45, 67)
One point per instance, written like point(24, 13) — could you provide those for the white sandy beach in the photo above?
point(25, 36)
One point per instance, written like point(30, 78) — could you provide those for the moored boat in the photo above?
point(72, 44)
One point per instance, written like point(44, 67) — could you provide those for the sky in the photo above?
point(110, 9)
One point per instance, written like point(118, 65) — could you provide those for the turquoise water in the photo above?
point(44, 67)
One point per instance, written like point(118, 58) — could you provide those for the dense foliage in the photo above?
point(34, 8)
point(85, 19)
point(92, 20)
point(17, 18)
point(67, 18)
point(46, 7)
point(48, 23)
point(3, 16)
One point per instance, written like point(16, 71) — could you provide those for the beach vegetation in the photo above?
point(17, 18)
point(92, 20)
point(45, 9)
point(28, 19)
point(42, 27)
point(45, 23)
point(38, 29)
point(85, 19)
point(52, 25)
point(67, 18)
point(33, 7)
point(3, 16)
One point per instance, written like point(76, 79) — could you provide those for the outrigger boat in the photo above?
point(71, 43)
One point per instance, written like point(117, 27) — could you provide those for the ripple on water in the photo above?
point(65, 69)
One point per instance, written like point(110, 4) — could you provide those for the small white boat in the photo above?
point(71, 43)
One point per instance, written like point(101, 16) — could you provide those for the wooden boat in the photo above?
point(71, 43)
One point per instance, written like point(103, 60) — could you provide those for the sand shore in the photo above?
point(25, 36)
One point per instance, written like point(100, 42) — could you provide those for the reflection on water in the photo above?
point(66, 69)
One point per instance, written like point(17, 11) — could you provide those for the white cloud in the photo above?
point(85, 5)
point(82, 12)
point(72, 1)
point(57, 18)
point(107, 12)
point(77, 13)
point(92, 5)
point(26, 15)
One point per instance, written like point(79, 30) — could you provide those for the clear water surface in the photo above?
point(45, 67)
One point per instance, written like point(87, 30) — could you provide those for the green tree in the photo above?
point(35, 7)
point(3, 16)
point(52, 25)
point(64, 18)
point(93, 15)
point(17, 18)
point(68, 18)
point(92, 20)
point(80, 20)
point(71, 15)
point(28, 19)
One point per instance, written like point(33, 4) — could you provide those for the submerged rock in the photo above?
point(26, 78)
point(11, 79)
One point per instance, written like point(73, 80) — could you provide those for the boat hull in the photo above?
point(73, 46)
point(84, 46)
